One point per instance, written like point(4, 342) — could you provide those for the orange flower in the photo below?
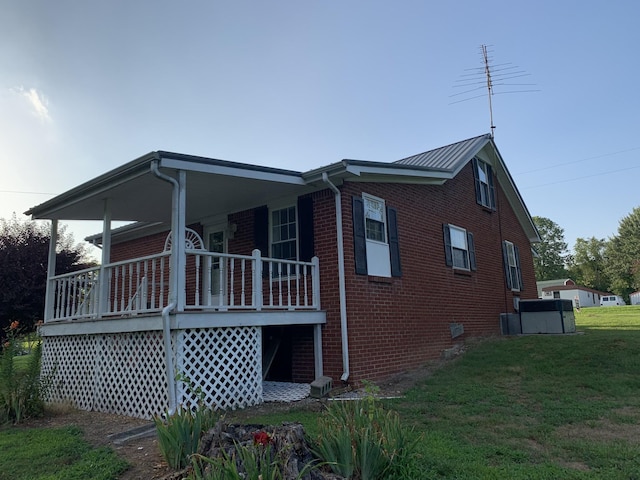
point(14, 325)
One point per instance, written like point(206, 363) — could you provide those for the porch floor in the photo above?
point(284, 391)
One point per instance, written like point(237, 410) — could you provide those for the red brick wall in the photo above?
point(398, 323)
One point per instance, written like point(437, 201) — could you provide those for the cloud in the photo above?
point(38, 102)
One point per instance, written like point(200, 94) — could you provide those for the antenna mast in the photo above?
point(487, 71)
point(487, 77)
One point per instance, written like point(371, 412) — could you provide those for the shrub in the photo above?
point(21, 389)
point(359, 439)
point(179, 433)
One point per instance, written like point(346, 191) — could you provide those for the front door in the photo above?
point(215, 279)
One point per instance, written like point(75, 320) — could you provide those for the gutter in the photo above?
point(166, 311)
point(341, 280)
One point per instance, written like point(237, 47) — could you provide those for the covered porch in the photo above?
point(184, 324)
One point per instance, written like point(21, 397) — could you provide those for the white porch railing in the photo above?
point(75, 294)
point(251, 282)
point(213, 281)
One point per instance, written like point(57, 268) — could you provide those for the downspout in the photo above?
point(341, 280)
point(166, 311)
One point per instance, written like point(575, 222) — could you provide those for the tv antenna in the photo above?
point(487, 77)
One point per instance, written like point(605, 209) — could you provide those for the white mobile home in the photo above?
point(579, 295)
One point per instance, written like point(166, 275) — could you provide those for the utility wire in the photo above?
point(27, 193)
point(581, 178)
point(579, 161)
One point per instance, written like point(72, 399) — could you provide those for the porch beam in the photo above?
point(51, 271)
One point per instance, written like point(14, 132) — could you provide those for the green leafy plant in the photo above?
point(21, 389)
point(256, 461)
point(248, 462)
point(179, 432)
point(359, 439)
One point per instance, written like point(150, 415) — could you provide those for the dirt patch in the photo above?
point(603, 430)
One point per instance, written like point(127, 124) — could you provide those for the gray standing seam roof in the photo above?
point(450, 157)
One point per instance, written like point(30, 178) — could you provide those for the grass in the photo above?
point(54, 454)
point(532, 407)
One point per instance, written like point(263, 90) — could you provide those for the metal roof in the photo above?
point(450, 157)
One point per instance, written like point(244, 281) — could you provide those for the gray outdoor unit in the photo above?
point(547, 316)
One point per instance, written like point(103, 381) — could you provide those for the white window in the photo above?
point(284, 233)
point(512, 266)
point(483, 175)
point(483, 178)
point(375, 223)
point(375, 219)
point(459, 247)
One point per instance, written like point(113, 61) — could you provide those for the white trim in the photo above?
point(246, 172)
point(271, 209)
point(510, 254)
point(466, 249)
point(378, 252)
point(206, 281)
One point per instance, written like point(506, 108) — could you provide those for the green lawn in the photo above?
point(54, 454)
point(532, 407)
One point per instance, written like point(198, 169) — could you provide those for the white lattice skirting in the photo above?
point(125, 373)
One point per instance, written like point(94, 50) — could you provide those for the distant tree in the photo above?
point(587, 264)
point(552, 250)
point(623, 256)
point(24, 252)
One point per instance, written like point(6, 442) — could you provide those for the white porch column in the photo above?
point(317, 349)
point(103, 296)
point(179, 240)
point(51, 271)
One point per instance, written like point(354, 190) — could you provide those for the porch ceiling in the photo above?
point(136, 194)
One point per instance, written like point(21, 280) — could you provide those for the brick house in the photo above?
point(357, 270)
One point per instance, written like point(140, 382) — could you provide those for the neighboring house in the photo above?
point(552, 283)
point(634, 298)
point(579, 295)
point(357, 270)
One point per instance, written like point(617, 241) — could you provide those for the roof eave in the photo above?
point(132, 169)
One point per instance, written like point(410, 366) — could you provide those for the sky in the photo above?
point(86, 86)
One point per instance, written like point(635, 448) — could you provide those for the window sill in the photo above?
point(464, 273)
point(376, 279)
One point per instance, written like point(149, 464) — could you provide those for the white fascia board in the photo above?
point(368, 173)
point(231, 171)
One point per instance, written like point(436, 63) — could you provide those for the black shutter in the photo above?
point(492, 190)
point(517, 253)
point(261, 230)
point(448, 254)
point(476, 181)
point(472, 251)
point(505, 260)
point(359, 241)
point(394, 244)
point(305, 228)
